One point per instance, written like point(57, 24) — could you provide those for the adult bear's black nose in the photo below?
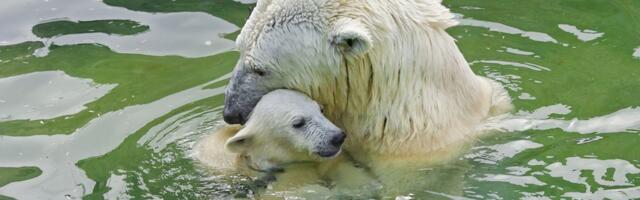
point(337, 140)
point(233, 117)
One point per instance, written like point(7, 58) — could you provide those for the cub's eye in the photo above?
point(259, 72)
point(299, 123)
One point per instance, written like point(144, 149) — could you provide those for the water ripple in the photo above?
point(189, 34)
point(515, 180)
point(574, 171)
point(624, 120)
point(495, 153)
point(502, 28)
point(46, 95)
point(515, 64)
point(56, 155)
point(583, 35)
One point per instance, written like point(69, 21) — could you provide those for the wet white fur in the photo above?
point(297, 179)
point(269, 137)
point(400, 88)
point(269, 141)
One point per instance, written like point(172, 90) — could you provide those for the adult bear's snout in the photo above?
point(241, 96)
point(239, 105)
point(233, 117)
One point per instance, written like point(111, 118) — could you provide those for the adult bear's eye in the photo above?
point(259, 72)
point(298, 123)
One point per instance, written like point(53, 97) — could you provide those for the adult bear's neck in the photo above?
point(416, 91)
point(412, 92)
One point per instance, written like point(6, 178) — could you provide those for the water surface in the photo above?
point(105, 99)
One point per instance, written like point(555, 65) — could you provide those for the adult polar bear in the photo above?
point(384, 70)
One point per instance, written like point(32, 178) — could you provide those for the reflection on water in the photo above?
point(614, 194)
point(583, 35)
point(57, 155)
point(246, 1)
point(189, 34)
point(498, 27)
point(45, 95)
point(495, 153)
point(177, 127)
point(118, 188)
point(572, 170)
point(625, 120)
point(144, 151)
point(607, 173)
point(526, 96)
point(517, 51)
point(515, 180)
point(530, 66)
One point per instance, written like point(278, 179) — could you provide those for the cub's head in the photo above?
point(285, 127)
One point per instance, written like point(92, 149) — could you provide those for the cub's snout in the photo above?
point(333, 147)
point(338, 140)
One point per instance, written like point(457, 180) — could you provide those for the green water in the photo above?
point(105, 99)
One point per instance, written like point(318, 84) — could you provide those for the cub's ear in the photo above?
point(239, 143)
point(351, 37)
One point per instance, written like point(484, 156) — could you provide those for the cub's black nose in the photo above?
point(337, 140)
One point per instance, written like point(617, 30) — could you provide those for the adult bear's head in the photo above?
point(291, 44)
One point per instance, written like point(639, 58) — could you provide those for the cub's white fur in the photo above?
point(274, 138)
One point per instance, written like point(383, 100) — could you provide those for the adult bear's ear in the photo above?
point(240, 142)
point(351, 37)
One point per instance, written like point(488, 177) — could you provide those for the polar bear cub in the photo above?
point(287, 127)
point(286, 132)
